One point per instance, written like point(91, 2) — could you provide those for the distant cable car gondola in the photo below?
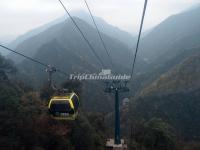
point(64, 107)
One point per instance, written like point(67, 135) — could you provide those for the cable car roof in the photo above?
point(66, 96)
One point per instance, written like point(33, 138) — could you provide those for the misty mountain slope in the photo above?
point(170, 87)
point(54, 54)
point(3, 52)
point(67, 35)
point(174, 97)
point(5, 40)
point(30, 45)
point(166, 62)
point(183, 77)
point(183, 48)
point(34, 32)
point(104, 27)
point(150, 72)
point(119, 52)
point(169, 44)
point(177, 31)
point(107, 28)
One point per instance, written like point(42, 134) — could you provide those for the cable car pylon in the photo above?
point(116, 87)
point(50, 70)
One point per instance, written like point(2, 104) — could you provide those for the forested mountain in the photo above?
point(25, 123)
point(169, 90)
point(103, 26)
point(168, 44)
point(174, 97)
point(172, 36)
point(181, 78)
point(108, 29)
point(164, 110)
point(68, 37)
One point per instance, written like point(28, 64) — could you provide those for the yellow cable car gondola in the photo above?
point(64, 107)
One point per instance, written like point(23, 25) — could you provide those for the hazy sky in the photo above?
point(19, 16)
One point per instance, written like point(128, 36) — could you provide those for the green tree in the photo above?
point(153, 135)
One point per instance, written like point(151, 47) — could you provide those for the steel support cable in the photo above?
point(82, 34)
point(99, 34)
point(31, 59)
point(139, 36)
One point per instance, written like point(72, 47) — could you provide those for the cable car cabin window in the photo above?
point(75, 102)
point(61, 107)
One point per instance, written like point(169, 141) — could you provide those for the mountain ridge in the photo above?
point(182, 77)
point(169, 34)
point(104, 27)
